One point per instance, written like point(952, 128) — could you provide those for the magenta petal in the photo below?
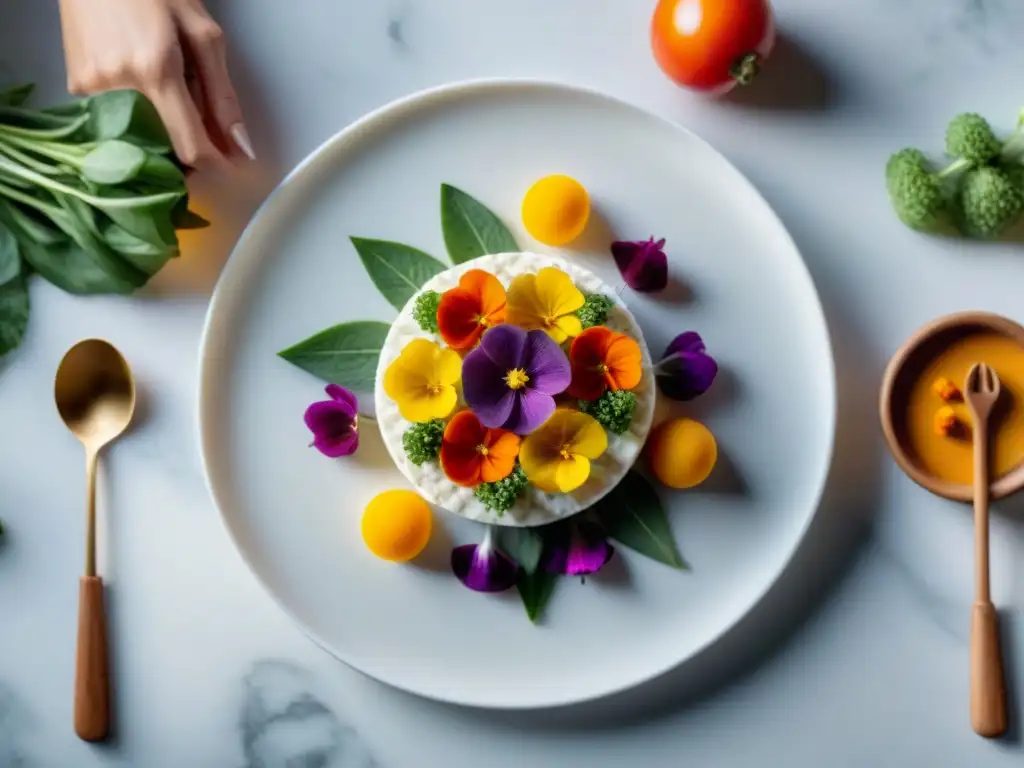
point(531, 410)
point(328, 417)
point(335, 447)
point(505, 344)
point(686, 371)
point(689, 341)
point(546, 364)
point(643, 264)
point(341, 395)
point(483, 568)
point(581, 550)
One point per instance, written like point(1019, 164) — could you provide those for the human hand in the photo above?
point(169, 50)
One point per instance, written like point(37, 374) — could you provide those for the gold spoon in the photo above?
point(988, 691)
point(95, 396)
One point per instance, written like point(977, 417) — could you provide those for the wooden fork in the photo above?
point(988, 689)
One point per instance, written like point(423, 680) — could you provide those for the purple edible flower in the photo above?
point(579, 550)
point(335, 422)
point(643, 264)
point(510, 380)
point(483, 568)
point(687, 370)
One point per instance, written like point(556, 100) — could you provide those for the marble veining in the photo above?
point(284, 725)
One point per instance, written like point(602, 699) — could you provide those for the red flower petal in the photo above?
point(465, 312)
point(460, 459)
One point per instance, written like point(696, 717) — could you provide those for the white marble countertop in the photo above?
point(857, 658)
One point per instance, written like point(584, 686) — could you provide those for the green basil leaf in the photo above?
point(524, 545)
point(16, 95)
point(14, 307)
point(345, 354)
point(77, 220)
point(114, 162)
point(632, 515)
point(160, 172)
point(130, 116)
point(10, 255)
point(397, 270)
point(148, 217)
point(145, 256)
point(183, 218)
point(470, 228)
point(535, 590)
point(57, 257)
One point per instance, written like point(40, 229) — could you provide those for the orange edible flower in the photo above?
point(472, 454)
point(946, 389)
point(946, 422)
point(602, 359)
point(470, 309)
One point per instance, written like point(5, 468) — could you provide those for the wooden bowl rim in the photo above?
point(1006, 485)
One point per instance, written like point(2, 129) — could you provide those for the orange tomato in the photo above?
point(712, 45)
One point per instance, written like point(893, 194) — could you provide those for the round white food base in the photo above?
point(534, 507)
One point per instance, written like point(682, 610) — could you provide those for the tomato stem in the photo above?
point(746, 68)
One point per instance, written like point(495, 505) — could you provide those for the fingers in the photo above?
point(205, 42)
point(184, 124)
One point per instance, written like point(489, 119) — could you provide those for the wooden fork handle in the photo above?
point(988, 688)
point(92, 681)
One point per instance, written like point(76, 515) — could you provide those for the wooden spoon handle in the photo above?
point(92, 682)
point(988, 689)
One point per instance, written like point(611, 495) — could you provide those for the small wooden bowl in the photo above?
point(906, 366)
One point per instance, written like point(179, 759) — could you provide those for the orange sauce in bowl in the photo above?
point(951, 457)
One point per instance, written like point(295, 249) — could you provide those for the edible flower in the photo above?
point(686, 370)
point(945, 422)
point(483, 567)
point(472, 454)
point(556, 457)
point(643, 264)
point(603, 359)
point(510, 380)
point(946, 390)
point(578, 549)
point(546, 301)
point(465, 312)
point(335, 422)
point(422, 381)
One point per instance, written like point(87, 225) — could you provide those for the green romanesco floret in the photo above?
point(915, 190)
point(613, 410)
point(424, 311)
point(981, 189)
point(969, 136)
point(422, 442)
point(500, 496)
point(595, 310)
point(989, 202)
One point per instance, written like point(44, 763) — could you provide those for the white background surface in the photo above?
point(858, 658)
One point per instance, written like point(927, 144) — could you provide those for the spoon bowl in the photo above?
point(95, 392)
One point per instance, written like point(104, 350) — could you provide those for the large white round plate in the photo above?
point(737, 279)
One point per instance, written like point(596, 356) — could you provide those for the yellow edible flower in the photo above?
point(548, 301)
point(422, 381)
point(556, 456)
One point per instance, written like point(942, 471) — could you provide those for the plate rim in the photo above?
point(468, 88)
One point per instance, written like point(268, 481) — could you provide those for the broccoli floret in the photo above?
point(422, 442)
point(613, 410)
point(595, 310)
point(915, 190)
point(989, 202)
point(969, 136)
point(425, 310)
point(981, 189)
point(500, 496)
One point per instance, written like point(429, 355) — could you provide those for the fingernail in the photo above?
point(241, 137)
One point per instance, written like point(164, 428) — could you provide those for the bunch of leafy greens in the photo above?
point(91, 197)
point(978, 193)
